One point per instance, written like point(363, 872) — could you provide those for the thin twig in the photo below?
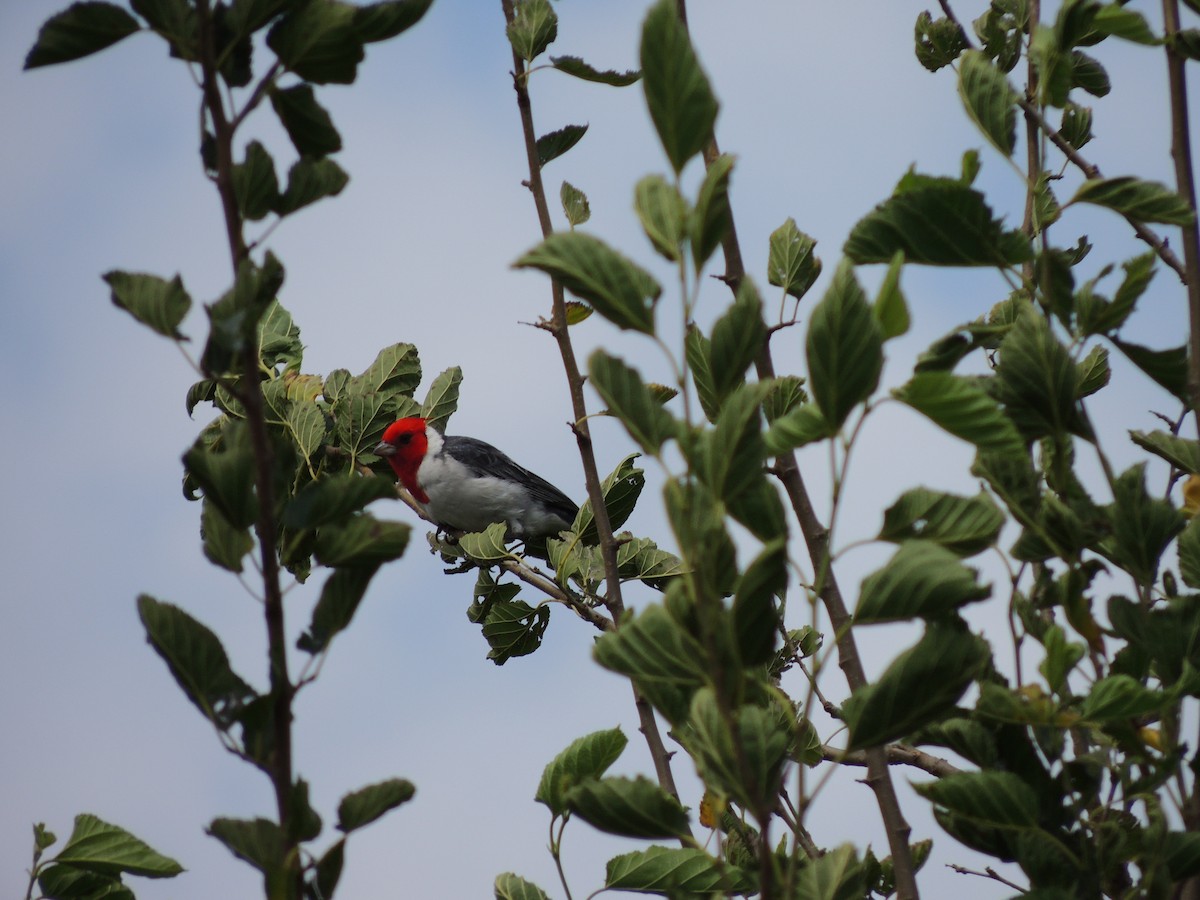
point(897, 755)
point(989, 872)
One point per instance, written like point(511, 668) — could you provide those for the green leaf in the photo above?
point(1189, 554)
point(1120, 697)
point(1186, 42)
point(487, 546)
point(938, 222)
point(556, 143)
point(256, 841)
point(587, 757)
point(938, 41)
point(224, 544)
point(575, 204)
point(362, 540)
point(620, 489)
point(310, 180)
point(989, 98)
point(333, 498)
point(339, 600)
point(514, 629)
point(196, 658)
point(174, 20)
point(920, 685)
point(698, 349)
point(1167, 368)
point(890, 309)
point(1142, 526)
point(1076, 127)
point(641, 559)
point(738, 338)
point(711, 218)
point(678, 95)
point(513, 887)
point(442, 399)
point(1141, 201)
point(620, 290)
point(628, 398)
point(1093, 371)
point(921, 579)
point(756, 620)
point(396, 368)
point(533, 28)
point(1036, 380)
point(573, 65)
point(279, 339)
point(98, 846)
point(319, 41)
point(998, 799)
point(783, 395)
point(844, 348)
point(384, 20)
point(791, 263)
point(155, 302)
point(329, 869)
point(255, 184)
point(837, 875)
point(1181, 453)
point(1182, 853)
point(963, 525)
point(1089, 74)
point(674, 871)
point(1124, 23)
point(800, 426)
point(636, 807)
point(364, 806)
point(80, 30)
point(663, 213)
point(740, 754)
point(306, 121)
point(307, 423)
point(66, 882)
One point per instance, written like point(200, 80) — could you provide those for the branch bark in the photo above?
point(558, 328)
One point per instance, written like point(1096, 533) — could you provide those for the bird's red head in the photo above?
point(404, 446)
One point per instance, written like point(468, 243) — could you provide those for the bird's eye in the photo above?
point(405, 438)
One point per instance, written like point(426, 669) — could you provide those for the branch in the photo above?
point(897, 755)
point(558, 327)
point(989, 872)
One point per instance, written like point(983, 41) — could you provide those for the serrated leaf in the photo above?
point(587, 757)
point(663, 213)
point(340, 596)
point(1036, 380)
point(310, 180)
point(922, 579)
point(1076, 126)
point(628, 807)
point(556, 143)
point(224, 544)
point(1120, 697)
point(620, 290)
point(99, 846)
point(998, 799)
point(1089, 74)
point(573, 65)
point(938, 41)
point(628, 398)
point(756, 619)
point(890, 308)
point(1124, 23)
point(676, 871)
point(1141, 201)
point(1182, 453)
point(698, 350)
point(66, 882)
point(514, 629)
point(844, 348)
point(307, 424)
point(279, 339)
point(533, 28)
point(361, 540)
point(155, 302)
point(488, 545)
point(334, 497)
point(989, 98)
point(791, 262)
point(442, 399)
point(678, 95)
point(509, 886)
point(738, 338)
point(364, 806)
point(306, 121)
point(396, 368)
point(256, 841)
point(1141, 526)
point(196, 658)
point(384, 20)
point(711, 218)
point(963, 525)
point(620, 489)
point(1167, 368)
point(575, 207)
point(319, 42)
point(255, 184)
point(836, 875)
point(939, 222)
point(1093, 372)
point(920, 685)
point(80, 30)
point(800, 426)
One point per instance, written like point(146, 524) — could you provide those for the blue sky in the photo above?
point(823, 105)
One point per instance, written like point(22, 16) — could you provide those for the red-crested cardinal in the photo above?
point(465, 484)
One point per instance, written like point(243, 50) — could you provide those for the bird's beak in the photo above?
point(384, 449)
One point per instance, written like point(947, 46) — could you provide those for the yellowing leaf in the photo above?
point(1191, 495)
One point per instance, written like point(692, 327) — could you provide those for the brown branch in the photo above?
point(897, 755)
point(1185, 183)
point(558, 328)
point(989, 872)
point(265, 527)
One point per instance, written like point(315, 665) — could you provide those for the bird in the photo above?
point(465, 484)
